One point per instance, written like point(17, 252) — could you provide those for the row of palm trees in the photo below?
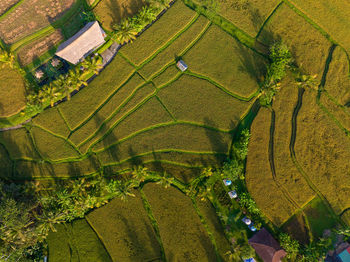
point(127, 30)
point(64, 85)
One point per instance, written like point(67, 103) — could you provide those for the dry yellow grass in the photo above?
point(338, 81)
point(308, 46)
point(111, 12)
point(286, 172)
point(332, 16)
point(12, 92)
point(323, 150)
point(259, 178)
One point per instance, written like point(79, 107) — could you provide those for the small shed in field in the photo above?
point(268, 249)
point(88, 39)
point(181, 65)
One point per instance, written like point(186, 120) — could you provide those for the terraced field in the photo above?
point(146, 227)
point(179, 121)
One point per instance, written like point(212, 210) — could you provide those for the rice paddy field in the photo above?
point(142, 110)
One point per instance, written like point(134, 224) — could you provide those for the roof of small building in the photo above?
point(345, 255)
point(266, 246)
point(82, 43)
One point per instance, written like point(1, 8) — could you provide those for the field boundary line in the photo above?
point(58, 136)
point(296, 163)
point(100, 238)
point(165, 108)
point(9, 10)
point(122, 117)
point(159, 151)
point(159, 126)
point(166, 44)
point(318, 28)
point(207, 229)
point(148, 208)
point(267, 20)
point(272, 163)
point(222, 88)
point(188, 47)
point(103, 103)
point(64, 120)
point(334, 100)
point(48, 29)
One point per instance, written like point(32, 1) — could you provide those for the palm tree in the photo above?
point(159, 4)
point(52, 93)
point(123, 190)
point(7, 58)
point(145, 17)
point(165, 180)
point(125, 32)
point(93, 64)
point(74, 79)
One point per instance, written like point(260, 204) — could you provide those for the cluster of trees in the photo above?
point(7, 58)
point(64, 85)
point(127, 30)
point(280, 59)
point(28, 214)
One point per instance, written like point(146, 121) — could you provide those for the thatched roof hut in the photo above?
point(88, 39)
point(267, 247)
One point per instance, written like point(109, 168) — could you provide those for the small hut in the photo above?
point(181, 65)
point(267, 247)
point(83, 43)
point(345, 255)
point(39, 74)
point(233, 194)
point(227, 182)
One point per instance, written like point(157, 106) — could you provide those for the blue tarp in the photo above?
point(345, 256)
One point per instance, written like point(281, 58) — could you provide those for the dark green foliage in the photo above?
point(280, 59)
point(291, 246)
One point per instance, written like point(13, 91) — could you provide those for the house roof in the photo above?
point(266, 246)
point(345, 255)
point(82, 43)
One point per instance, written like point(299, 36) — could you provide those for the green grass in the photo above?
point(297, 228)
point(125, 230)
point(73, 25)
point(322, 150)
point(51, 120)
point(19, 144)
point(5, 163)
point(215, 227)
point(260, 183)
point(247, 15)
point(332, 17)
point(286, 172)
point(133, 102)
point(165, 76)
point(113, 104)
point(196, 100)
point(174, 20)
point(35, 170)
point(179, 136)
point(318, 217)
point(337, 82)
point(308, 46)
point(183, 236)
point(170, 53)
point(12, 92)
point(52, 147)
point(151, 113)
point(110, 12)
point(81, 106)
point(220, 57)
point(76, 242)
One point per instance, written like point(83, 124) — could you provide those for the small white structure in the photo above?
point(246, 221)
point(39, 74)
point(55, 62)
point(88, 39)
point(233, 194)
point(227, 182)
point(181, 65)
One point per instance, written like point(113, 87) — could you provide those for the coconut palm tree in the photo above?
point(166, 180)
point(125, 32)
point(7, 58)
point(145, 17)
point(93, 64)
point(52, 93)
point(74, 79)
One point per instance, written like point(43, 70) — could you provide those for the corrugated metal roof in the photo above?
point(90, 37)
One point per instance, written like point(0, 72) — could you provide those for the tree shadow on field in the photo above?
point(216, 139)
point(120, 11)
